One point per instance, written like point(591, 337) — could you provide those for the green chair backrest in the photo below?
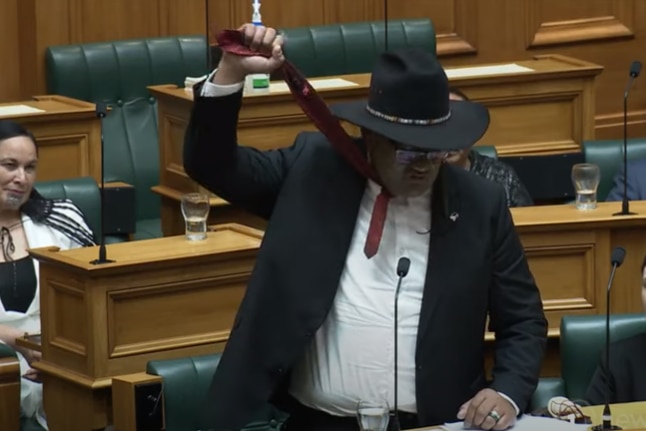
point(118, 74)
point(487, 150)
point(84, 192)
point(340, 49)
point(608, 155)
point(583, 341)
point(186, 382)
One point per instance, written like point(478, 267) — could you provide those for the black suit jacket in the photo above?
point(476, 266)
point(627, 375)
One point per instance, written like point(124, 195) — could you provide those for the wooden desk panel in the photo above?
point(547, 110)
point(163, 298)
point(68, 134)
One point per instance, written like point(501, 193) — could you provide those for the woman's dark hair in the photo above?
point(50, 212)
point(644, 264)
point(458, 92)
point(10, 129)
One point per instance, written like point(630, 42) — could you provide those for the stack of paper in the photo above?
point(8, 110)
point(529, 423)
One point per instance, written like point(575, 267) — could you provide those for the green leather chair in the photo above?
point(83, 191)
point(608, 154)
point(117, 73)
point(186, 382)
point(487, 150)
point(582, 343)
point(340, 49)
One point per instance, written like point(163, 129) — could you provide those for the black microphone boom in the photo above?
point(635, 69)
point(403, 265)
point(101, 112)
point(616, 259)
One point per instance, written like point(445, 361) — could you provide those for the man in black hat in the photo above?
point(314, 332)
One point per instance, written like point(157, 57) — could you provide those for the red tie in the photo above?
point(318, 112)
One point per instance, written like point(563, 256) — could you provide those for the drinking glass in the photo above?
point(585, 177)
point(373, 415)
point(195, 209)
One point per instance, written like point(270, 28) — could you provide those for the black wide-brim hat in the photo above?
point(409, 103)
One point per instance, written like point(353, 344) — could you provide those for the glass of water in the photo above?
point(195, 209)
point(373, 415)
point(585, 177)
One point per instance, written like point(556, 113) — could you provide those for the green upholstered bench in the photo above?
point(185, 383)
point(118, 74)
point(608, 154)
point(581, 344)
point(340, 49)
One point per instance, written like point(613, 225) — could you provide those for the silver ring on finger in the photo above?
point(493, 414)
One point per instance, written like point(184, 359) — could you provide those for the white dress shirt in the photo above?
point(351, 357)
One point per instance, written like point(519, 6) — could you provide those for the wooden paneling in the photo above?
point(607, 32)
point(10, 81)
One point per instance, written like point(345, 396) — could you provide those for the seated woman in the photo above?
point(27, 220)
point(491, 168)
point(627, 373)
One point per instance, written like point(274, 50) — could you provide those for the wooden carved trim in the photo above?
point(580, 30)
point(463, 38)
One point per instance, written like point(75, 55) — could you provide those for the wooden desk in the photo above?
point(629, 416)
point(162, 298)
point(68, 134)
point(569, 254)
point(549, 109)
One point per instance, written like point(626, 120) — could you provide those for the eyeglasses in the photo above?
point(409, 156)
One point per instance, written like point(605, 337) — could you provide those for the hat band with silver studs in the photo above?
point(415, 122)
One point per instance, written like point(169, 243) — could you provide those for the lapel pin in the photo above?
point(454, 216)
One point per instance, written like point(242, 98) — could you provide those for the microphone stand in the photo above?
point(402, 270)
point(101, 112)
point(606, 423)
point(394, 423)
point(625, 203)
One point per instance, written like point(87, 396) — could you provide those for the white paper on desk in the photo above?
point(500, 69)
point(18, 110)
point(530, 423)
point(318, 84)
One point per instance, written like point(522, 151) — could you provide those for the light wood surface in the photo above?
point(548, 110)
point(9, 394)
point(124, 408)
point(99, 321)
point(629, 416)
point(68, 135)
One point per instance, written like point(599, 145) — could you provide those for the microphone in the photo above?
point(403, 265)
point(616, 259)
point(101, 112)
point(635, 69)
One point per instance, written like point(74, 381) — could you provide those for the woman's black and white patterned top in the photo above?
point(497, 171)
